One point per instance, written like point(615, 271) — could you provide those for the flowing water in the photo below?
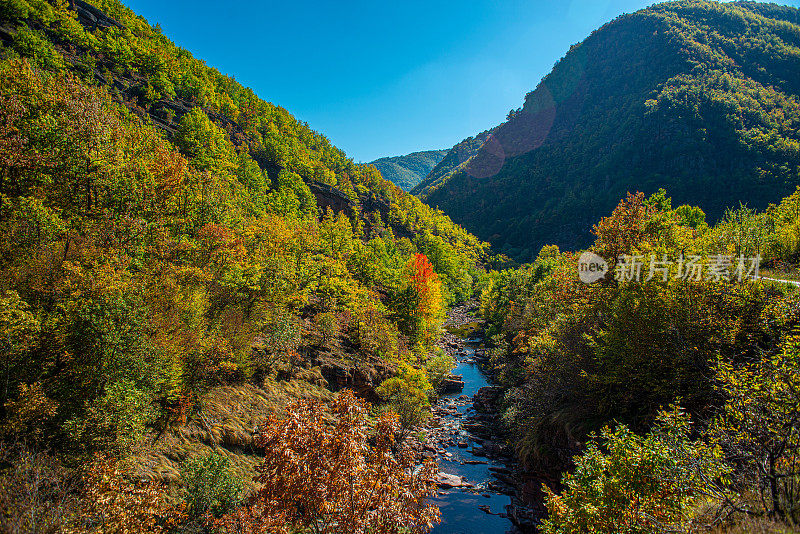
point(461, 507)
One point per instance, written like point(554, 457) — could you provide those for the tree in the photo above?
point(210, 486)
point(439, 368)
point(326, 471)
point(407, 395)
point(114, 505)
point(630, 484)
point(624, 229)
point(427, 286)
point(759, 426)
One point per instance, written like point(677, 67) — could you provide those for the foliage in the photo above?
point(409, 170)
point(165, 232)
point(110, 503)
point(695, 96)
point(326, 471)
point(36, 492)
point(453, 158)
point(628, 484)
point(407, 395)
point(759, 425)
point(439, 368)
point(209, 485)
point(575, 357)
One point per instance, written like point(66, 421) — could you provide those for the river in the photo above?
point(480, 509)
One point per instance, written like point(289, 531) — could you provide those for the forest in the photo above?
point(695, 96)
point(409, 170)
point(213, 321)
point(671, 402)
point(182, 263)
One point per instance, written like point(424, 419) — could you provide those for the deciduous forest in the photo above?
point(213, 321)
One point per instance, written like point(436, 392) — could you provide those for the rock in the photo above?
point(478, 451)
point(524, 518)
point(501, 470)
point(487, 399)
point(448, 481)
point(452, 383)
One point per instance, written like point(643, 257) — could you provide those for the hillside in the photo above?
point(698, 97)
point(454, 157)
point(409, 170)
point(179, 261)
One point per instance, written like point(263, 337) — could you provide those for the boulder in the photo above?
point(447, 480)
point(487, 399)
point(452, 384)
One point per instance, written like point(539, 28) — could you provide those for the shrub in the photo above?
point(631, 484)
point(210, 486)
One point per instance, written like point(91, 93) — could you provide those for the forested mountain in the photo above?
point(409, 170)
point(454, 157)
point(179, 261)
point(700, 97)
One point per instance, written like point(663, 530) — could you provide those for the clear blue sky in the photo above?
point(386, 77)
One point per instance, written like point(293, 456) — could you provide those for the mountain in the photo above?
point(698, 97)
point(453, 158)
point(181, 259)
point(409, 170)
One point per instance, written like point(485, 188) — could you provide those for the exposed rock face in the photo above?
point(91, 17)
point(329, 197)
point(363, 377)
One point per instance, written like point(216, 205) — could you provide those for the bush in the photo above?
point(629, 484)
point(210, 486)
point(407, 395)
point(439, 368)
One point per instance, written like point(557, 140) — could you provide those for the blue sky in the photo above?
point(384, 78)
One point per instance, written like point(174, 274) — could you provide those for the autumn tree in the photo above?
point(112, 503)
point(759, 425)
point(326, 470)
point(419, 304)
point(623, 230)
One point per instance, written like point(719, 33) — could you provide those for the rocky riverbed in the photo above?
point(481, 489)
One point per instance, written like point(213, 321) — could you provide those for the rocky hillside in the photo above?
point(698, 97)
point(179, 258)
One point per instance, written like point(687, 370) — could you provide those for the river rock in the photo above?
point(487, 399)
point(451, 384)
point(448, 481)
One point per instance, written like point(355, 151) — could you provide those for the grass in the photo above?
point(224, 421)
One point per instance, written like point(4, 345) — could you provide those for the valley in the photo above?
point(214, 321)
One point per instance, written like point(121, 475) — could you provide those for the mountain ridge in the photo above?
point(408, 170)
point(698, 97)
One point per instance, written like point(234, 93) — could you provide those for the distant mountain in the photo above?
point(455, 157)
point(699, 97)
point(409, 170)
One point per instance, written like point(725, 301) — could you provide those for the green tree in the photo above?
point(210, 485)
point(630, 484)
point(407, 395)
